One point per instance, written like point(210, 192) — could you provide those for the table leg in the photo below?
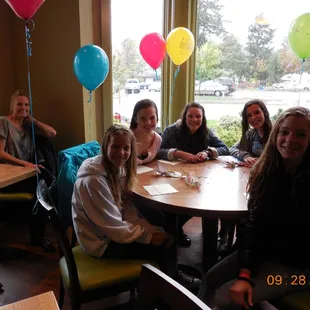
point(209, 250)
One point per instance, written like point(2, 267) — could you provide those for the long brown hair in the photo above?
point(269, 163)
point(118, 188)
point(267, 126)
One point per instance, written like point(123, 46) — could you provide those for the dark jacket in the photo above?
point(243, 149)
point(278, 224)
point(172, 139)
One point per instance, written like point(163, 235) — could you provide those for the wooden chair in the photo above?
point(87, 278)
point(158, 291)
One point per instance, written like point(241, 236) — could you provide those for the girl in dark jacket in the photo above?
point(273, 256)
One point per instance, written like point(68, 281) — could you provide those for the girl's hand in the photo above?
point(237, 293)
point(250, 161)
point(31, 165)
point(202, 156)
point(160, 238)
point(187, 156)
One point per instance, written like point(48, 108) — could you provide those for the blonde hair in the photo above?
point(118, 190)
point(14, 96)
point(263, 172)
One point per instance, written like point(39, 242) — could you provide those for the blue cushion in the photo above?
point(69, 161)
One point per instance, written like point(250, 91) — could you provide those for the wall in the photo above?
point(6, 72)
point(57, 95)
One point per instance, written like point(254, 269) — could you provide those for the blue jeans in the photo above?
point(215, 287)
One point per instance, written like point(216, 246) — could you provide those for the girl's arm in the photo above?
point(93, 195)
point(7, 158)
point(238, 153)
point(217, 146)
point(168, 143)
point(41, 129)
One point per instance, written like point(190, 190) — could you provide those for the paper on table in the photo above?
point(143, 169)
point(160, 189)
point(168, 162)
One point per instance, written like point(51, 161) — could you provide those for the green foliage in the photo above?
point(210, 21)
point(228, 129)
point(127, 62)
point(233, 56)
point(208, 61)
point(274, 117)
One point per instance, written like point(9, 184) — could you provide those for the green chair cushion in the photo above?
point(296, 301)
point(16, 196)
point(98, 273)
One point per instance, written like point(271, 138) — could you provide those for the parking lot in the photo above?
point(216, 107)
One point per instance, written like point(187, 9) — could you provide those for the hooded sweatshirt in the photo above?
point(96, 217)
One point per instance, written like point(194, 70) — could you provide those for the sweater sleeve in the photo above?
point(217, 146)
point(238, 153)
point(168, 143)
point(94, 202)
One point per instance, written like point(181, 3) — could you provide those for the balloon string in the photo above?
point(90, 96)
point(301, 72)
point(172, 92)
point(156, 76)
point(29, 50)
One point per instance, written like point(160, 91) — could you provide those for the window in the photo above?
point(133, 78)
point(243, 53)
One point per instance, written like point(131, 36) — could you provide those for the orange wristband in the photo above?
point(244, 275)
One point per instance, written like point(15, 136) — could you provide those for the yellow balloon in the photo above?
point(180, 45)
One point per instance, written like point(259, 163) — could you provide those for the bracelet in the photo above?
point(244, 275)
point(246, 280)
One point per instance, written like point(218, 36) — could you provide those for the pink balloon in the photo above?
point(153, 49)
point(25, 9)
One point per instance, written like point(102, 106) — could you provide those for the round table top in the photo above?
point(222, 191)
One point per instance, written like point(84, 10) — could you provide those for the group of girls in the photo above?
point(108, 225)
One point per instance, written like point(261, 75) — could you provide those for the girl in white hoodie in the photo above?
point(106, 222)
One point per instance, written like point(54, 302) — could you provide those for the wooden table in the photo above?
point(221, 195)
point(45, 301)
point(10, 174)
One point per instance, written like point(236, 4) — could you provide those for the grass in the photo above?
point(211, 123)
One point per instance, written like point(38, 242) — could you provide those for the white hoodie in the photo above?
point(96, 217)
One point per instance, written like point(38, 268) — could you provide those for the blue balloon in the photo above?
point(91, 66)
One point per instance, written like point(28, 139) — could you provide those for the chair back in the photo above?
point(69, 161)
point(157, 290)
point(45, 199)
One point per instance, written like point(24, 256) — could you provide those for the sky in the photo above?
point(136, 18)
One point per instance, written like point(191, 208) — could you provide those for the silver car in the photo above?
point(211, 88)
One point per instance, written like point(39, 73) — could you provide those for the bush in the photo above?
point(274, 117)
point(228, 129)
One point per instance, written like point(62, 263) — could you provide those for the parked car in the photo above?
point(211, 88)
point(226, 81)
point(144, 85)
point(132, 86)
point(155, 86)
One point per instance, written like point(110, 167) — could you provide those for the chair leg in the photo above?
point(61, 295)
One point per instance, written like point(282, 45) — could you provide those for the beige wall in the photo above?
point(57, 95)
point(6, 72)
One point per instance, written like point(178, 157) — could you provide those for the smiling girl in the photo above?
point(191, 140)
point(275, 238)
point(143, 124)
point(256, 127)
point(105, 220)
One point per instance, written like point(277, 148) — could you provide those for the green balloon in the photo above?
point(299, 36)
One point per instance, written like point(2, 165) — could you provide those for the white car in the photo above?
point(211, 88)
point(155, 86)
point(132, 86)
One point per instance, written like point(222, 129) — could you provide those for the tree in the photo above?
point(275, 71)
point(233, 56)
point(260, 36)
point(208, 61)
point(127, 62)
point(210, 21)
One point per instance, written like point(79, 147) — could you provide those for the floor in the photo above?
point(36, 272)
